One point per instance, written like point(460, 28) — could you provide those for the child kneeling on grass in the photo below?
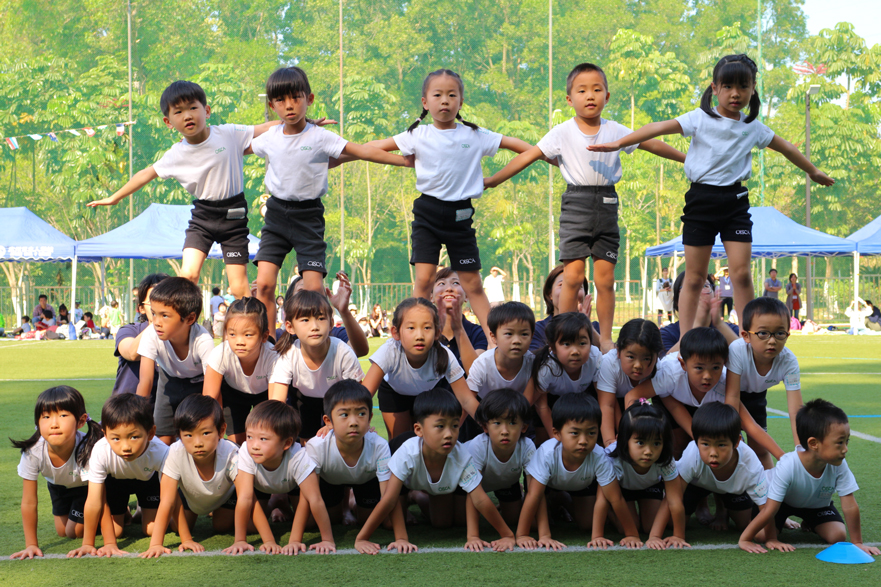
point(806, 480)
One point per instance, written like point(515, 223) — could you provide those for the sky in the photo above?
point(865, 15)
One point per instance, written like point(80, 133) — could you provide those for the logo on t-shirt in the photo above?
point(466, 146)
point(305, 148)
point(746, 134)
point(220, 150)
point(826, 491)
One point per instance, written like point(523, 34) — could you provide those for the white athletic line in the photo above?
point(454, 549)
point(829, 373)
point(64, 379)
point(852, 431)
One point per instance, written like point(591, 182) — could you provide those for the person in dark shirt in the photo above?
point(128, 337)
point(551, 294)
point(670, 333)
point(469, 340)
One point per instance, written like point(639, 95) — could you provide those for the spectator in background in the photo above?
point(279, 312)
point(664, 292)
point(492, 285)
point(772, 285)
point(873, 320)
point(114, 318)
point(63, 318)
point(726, 292)
point(670, 333)
point(77, 312)
point(46, 320)
point(216, 300)
point(378, 323)
point(793, 295)
point(90, 320)
point(551, 294)
point(229, 298)
point(128, 337)
point(219, 318)
point(43, 304)
point(365, 326)
point(25, 326)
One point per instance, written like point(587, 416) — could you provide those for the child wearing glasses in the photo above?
point(759, 360)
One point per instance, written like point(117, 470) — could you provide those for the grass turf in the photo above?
point(842, 369)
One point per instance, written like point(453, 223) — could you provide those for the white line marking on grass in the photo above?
point(853, 432)
point(63, 379)
point(452, 549)
point(829, 373)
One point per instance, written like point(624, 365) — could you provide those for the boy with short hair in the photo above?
point(178, 345)
point(209, 164)
point(805, 481)
point(200, 469)
point(571, 461)
point(126, 461)
point(501, 454)
point(589, 213)
point(128, 338)
point(272, 462)
point(760, 360)
point(432, 462)
point(25, 326)
point(716, 461)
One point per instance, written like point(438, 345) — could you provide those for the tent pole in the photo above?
point(72, 312)
point(856, 277)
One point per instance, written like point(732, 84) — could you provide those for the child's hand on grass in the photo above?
point(29, 552)
point(655, 543)
point(110, 550)
point(84, 550)
point(238, 548)
point(367, 547)
point(503, 544)
point(600, 542)
point(549, 543)
point(527, 542)
point(868, 549)
point(631, 542)
point(294, 548)
point(781, 546)
point(190, 545)
point(155, 552)
point(676, 542)
point(402, 546)
point(324, 547)
point(475, 544)
point(270, 548)
point(751, 547)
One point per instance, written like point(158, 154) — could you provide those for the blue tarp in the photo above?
point(27, 237)
point(774, 235)
point(156, 233)
point(868, 238)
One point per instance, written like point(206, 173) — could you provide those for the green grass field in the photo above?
point(843, 369)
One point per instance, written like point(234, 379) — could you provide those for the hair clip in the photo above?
point(644, 401)
point(88, 418)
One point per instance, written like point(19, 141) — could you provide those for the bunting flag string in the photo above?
point(90, 131)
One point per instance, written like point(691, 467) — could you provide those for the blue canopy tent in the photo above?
point(28, 238)
point(776, 235)
point(157, 233)
point(868, 241)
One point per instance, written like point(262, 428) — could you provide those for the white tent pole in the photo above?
point(72, 312)
point(856, 277)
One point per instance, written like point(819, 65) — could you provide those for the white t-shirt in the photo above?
point(784, 368)
point(492, 286)
point(341, 362)
point(546, 467)
point(104, 462)
point(496, 474)
point(35, 461)
point(203, 497)
point(553, 379)
point(484, 376)
point(721, 149)
point(408, 465)
point(224, 361)
point(297, 163)
point(406, 380)
point(611, 378)
point(579, 166)
point(628, 478)
point(212, 169)
point(793, 484)
point(295, 466)
point(749, 476)
point(331, 466)
point(672, 380)
point(161, 351)
point(448, 161)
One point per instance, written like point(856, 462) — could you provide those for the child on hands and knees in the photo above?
point(645, 469)
point(589, 212)
point(59, 452)
point(571, 461)
point(127, 461)
point(271, 461)
point(350, 456)
point(719, 159)
point(197, 478)
point(805, 481)
point(759, 360)
point(500, 455)
point(433, 462)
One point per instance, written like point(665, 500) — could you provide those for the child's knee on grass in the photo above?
point(441, 510)
point(832, 532)
point(582, 511)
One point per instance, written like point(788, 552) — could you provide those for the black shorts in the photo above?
point(311, 411)
point(390, 401)
point(589, 223)
point(656, 401)
point(656, 491)
point(735, 503)
point(229, 504)
point(237, 405)
point(367, 495)
point(810, 517)
point(220, 221)
point(68, 501)
point(711, 210)
point(169, 395)
point(757, 406)
point(469, 430)
point(512, 494)
point(589, 491)
point(118, 492)
point(294, 225)
point(261, 496)
point(437, 223)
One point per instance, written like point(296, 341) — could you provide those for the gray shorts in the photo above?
point(294, 225)
point(170, 392)
point(589, 223)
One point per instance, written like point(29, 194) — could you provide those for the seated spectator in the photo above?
point(63, 317)
point(46, 322)
point(42, 305)
point(365, 326)
point(90, 322)
point(873, 320)
point(670, 333)
point(219, 319)
point(378, 322)
point(25, 326)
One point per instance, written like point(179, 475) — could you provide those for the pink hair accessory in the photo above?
point(643, 401)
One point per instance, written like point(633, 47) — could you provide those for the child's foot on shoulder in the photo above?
point(606, 346)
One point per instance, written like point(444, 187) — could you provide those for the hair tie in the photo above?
point(88, 418)
point(643, 401)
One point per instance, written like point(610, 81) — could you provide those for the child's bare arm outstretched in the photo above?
point(765, 520)
point(138, 180)
point(483, 504)
point(388, 504)
point(612, 493)
point(515, 166)
point(753, 430)
point(600, 513)
point(662, 149)
point(167, 500)
point(671, 506)
point(535, 508)
point(798, 159)
point(645, 133)
point(851, 512)
point(309, 490)
point(29, 521)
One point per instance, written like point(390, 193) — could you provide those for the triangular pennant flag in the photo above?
point(73, 132)
point(13, 144)
point(102, 127)
point(89, 131)
point(36, 137)
point(120, 130)
point(53, 137)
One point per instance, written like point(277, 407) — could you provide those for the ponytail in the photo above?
point(734, 69)
point(449, 73)
point(470, 125)
point(28, 444)
point(707, 102)
point(306, 303)
point(442, 362)
point(84, 450)
point(418, 121)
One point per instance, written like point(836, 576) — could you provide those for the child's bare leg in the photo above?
point(118, 524)
point(582, 511)
point(832, 532)
point(761, 452)
point(741, 518)
point(267, 275)
point(238, 280)
point(680, 441)
point(573, 281)
point(511, 512)
point(61, 526)
point(147, 518)
point(223, 520)
point(397, 423)
point(74, 530)
point(604, 281)
point(459, 509)
point(191, 264)
point(648, 511)
point(697, 261)
point(420, 498)
point(440, 510)
point(473, 287)
point(739, 258)
point(424, 279)
point(349, 504)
